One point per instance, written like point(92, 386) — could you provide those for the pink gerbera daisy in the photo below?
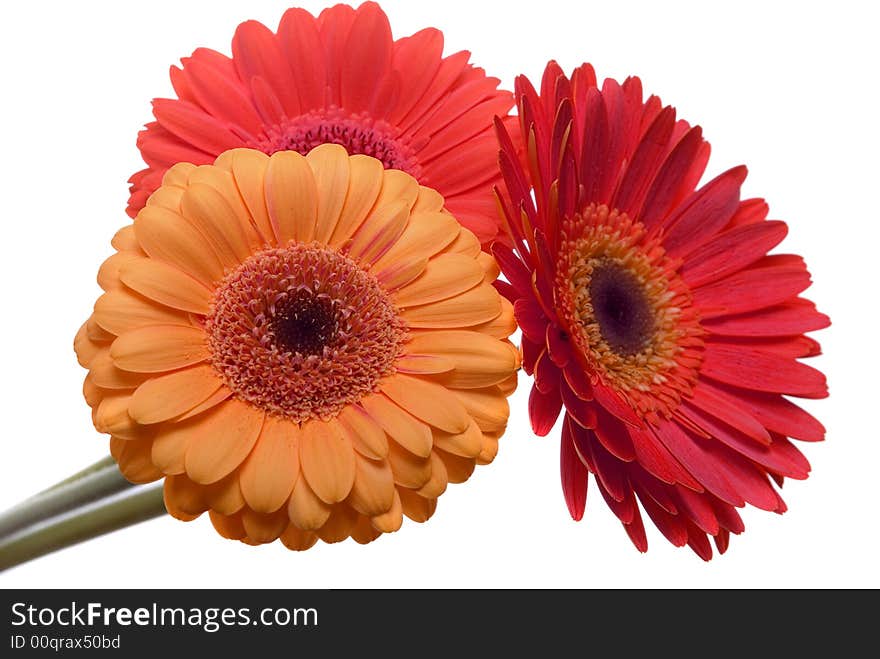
point(652, 313)
point(338, 78)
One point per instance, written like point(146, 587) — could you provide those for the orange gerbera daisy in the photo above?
point(307, 346)
point(337, 78)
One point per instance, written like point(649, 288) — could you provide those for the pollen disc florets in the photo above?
point(627, 310)
point(303, 331)
point(359, 134)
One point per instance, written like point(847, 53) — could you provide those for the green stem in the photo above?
point(89, 521)
point(100, 464)
point(96, 482)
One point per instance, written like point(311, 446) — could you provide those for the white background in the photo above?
point(789, 89)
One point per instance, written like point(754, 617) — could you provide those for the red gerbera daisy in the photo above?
point(337, 78)
point(652, 314)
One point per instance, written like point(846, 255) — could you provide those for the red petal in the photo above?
point(669, 186)
point(644, 164)
point(531, 320)
point(368, 57)
point(656, 460)
point(762, 371)
point(793, 317)
point(704, 398)
point(301, 43)
point(704, 213)
point(750, 289)
point(544, 410)
point(223, 97)
point(697, 461)
point(257, 54)
point(193, 125)
point(614, 403)
point(671, 526)
point(513, 268)
point(698, 509)
point(777, 414)
point(731, 251)
point(574, 476)
point(612, 434)
point(581, 411)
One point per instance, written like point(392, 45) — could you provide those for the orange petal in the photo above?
point(291, 197)
point(168, 396)
point(213, 216)
point(216, 398)
point(167, 197)
point(183, 498)
point(445, 275)
point(428, 201)
point(124, 310)
point(305, 509)
point(480, 360)
point(224, 440)
point(403, 427)
point(398, 274)
point(488, 407)
point(339, 525)
point(108, 273)
point(430, 402)
point(467, 444)
point(159, 348)
point(373, 490)
point(329, 163)
point(416, 507)
point(500, 327)
point(261, 527)
point(466, 243)
point(225, 496)
point(490, 448)
point(106, 375)
point(134, 461)
point(367, 436)
point(397, 186)
point(249, 169)
point(458, 469)
point(112, 417)
point(363, 531)
point(365, 181)
point(392, 520)
point(490, 267)
point(84, 347)
point(229, 527)
point(168, 237)
point(423, 364)
point(125, 240)
point(379, 231)
point(478, 305)
point(297, 539)
point(222, 181)
point(425, 235)
point(439, 479)
point(270, 472)
point(409, 470)
point(171, 443)
point(327, 459)
point(178, 174)
point(167, 285)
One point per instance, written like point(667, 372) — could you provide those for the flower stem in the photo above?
point(132, 506)
point(95, 482)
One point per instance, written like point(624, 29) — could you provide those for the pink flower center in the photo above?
point(303, 331)
point(359, 134)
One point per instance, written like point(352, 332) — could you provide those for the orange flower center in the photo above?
point(303, 331)
point(359, 134)
point(627, 310)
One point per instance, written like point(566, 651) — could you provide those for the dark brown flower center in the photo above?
point(620, 307)
point(303, 331)
point(306, 323)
